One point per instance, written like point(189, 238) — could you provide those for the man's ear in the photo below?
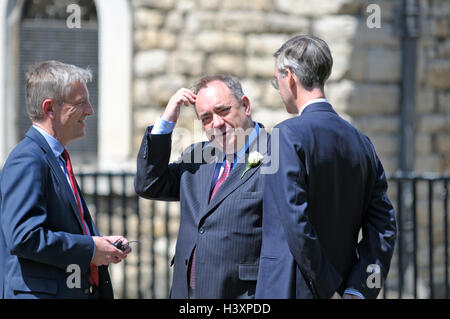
point(291, 77)
point(245, 102)
point(48, 107)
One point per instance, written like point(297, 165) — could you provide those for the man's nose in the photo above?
point(89, 109)
point(217, 121)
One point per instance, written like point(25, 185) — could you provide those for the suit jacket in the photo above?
point(41, 232)
point(330, 184)
point(226, 231)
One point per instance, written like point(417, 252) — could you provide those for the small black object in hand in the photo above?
point(119, 245)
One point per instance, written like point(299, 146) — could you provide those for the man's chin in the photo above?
point(79, 135)
point(227, 148)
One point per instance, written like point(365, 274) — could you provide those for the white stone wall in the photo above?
point(176, 42)
point(433, 96)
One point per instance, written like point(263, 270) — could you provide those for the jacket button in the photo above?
point(201, 230)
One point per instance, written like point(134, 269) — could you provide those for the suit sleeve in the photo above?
point(378, 239)
point(24, 217)
point(289, 190)
point(155, 177)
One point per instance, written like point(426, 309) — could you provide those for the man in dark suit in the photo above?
point(49, 245)
point(330, 185)
point(220, 193)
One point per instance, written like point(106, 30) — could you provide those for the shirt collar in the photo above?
point(54, 144)
point(319, 100)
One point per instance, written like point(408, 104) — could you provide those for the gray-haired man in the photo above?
point(49, 245)
point(218, 244)
point(329, 186)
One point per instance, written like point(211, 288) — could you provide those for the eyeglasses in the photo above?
point(274, 83)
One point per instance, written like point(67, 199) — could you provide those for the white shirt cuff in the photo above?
point(354, 292)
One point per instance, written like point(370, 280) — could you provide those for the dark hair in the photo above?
point(230, 81)
point(308, 57)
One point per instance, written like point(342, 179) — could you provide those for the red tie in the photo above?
point(93, 276)
point(222, 178)
point(220, 181)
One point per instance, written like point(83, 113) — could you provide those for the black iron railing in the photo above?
point(118, 210)
point(421, 260)
point(419, 269)
point(420, 265)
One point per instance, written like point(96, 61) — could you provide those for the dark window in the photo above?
point(44, 35)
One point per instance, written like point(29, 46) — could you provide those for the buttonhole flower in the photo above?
point(254, 158)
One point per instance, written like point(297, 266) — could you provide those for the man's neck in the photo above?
point(49, 129)
point(45, 128)
point(305, 96)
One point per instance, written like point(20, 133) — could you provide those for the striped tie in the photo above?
point(222, 178)
point(220, 181)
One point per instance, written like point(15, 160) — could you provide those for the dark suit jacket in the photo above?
point(226, 231)
point(329, 185)
point(41, 232)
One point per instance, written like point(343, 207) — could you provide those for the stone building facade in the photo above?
point(176, 42)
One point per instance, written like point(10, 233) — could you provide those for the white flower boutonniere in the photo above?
point(254, 158)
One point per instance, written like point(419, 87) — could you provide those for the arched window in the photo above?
point(105, 37)
point(47, 32)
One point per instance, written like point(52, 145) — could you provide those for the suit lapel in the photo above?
point(87, 216)
point(67, 190)
point(234, 180)
point(206, 177)
point(203, 179)
point(60, 176)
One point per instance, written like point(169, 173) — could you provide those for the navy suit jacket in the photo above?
point(330, 184)
point(41, 232)
point(226, 230)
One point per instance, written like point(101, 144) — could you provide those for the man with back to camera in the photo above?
point(330, 184)
point(219, 239)
point(47, 233)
